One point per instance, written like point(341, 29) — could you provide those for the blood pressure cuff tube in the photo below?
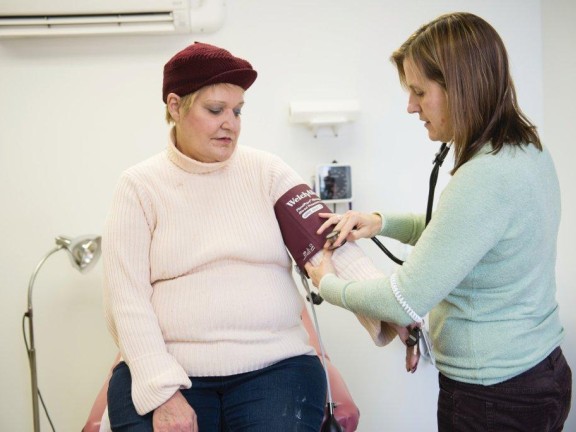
point(297, 213)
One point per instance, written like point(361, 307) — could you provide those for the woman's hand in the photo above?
point(326, 266)
point(412, 358)
point(412, 355)
point(352, 225)
point(412, 350)
point(175, 415)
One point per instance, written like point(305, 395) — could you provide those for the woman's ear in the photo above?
point(173, 105)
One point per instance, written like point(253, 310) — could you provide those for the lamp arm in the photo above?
point(31, 349)
point(35, 273)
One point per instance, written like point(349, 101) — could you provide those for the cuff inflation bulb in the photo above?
point(331, 238)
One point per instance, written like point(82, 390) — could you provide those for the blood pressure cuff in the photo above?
point(297, 213)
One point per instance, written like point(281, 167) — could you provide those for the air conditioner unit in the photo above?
point(28, 18)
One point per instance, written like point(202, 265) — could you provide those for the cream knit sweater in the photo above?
point(197, 279)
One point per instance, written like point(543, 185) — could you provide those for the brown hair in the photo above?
point(466, 56)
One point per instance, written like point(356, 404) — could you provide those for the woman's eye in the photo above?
point(237, 112)
point(215, 110)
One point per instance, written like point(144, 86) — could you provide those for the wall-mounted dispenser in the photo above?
point(328, 114)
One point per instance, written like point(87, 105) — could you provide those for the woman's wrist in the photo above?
point(378, 223)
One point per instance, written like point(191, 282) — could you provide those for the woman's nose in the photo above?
point(231, 121)
point(413, 106)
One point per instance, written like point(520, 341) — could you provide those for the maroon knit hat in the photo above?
point(201, 64)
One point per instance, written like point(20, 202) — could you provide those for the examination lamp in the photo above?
point(84, 252)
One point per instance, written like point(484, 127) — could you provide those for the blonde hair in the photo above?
point(185, 104)
point(466, 56)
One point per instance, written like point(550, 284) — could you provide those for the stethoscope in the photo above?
point(438, 161)
point(331, 424)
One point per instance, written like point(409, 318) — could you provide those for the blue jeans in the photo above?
point(288, 396)
point(537, 400)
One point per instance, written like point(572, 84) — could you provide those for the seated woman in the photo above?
point(198, 286)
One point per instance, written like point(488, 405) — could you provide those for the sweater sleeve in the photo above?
point(471, 217)
point(404, 227)
point(350, 261)
point(156, 375)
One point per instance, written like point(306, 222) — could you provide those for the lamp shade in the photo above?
point(83, 251)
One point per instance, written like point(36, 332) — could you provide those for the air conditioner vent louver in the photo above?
point(35, 18)
point(151, 22)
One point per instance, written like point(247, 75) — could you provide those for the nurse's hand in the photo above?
point(351, 226)
point(412, 350)
point(326, 266)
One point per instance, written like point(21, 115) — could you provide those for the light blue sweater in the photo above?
point(484, 268)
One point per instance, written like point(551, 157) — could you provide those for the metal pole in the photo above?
point(31, 349)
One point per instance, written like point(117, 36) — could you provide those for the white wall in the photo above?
point(559, 66)
point(76, 112)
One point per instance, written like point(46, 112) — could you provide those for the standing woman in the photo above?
point(484, 267)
